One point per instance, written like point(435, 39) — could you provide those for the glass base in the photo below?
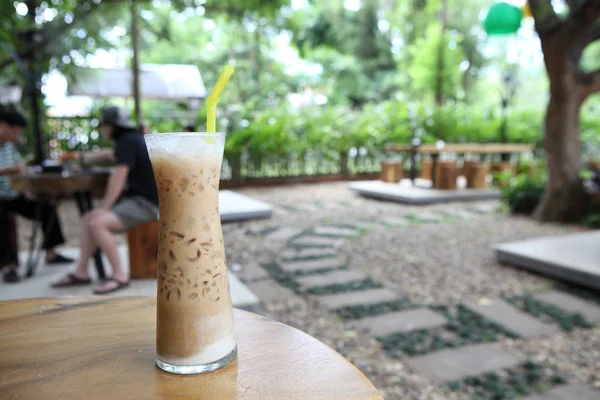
point(197, 369)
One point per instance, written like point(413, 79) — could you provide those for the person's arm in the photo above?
point(97, 157)
point(13, 170)
point(90, 157)
point(115, 185)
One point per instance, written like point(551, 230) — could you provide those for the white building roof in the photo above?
point(159, 82)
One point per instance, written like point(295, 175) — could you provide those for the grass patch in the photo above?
point(550, 313)
point(369, 310)
point(464, 327)
point(513, 383)
point(288, 280)
point(344, 287)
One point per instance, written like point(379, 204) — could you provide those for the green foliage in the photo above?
point(513, 383)
point(367, 310)
point(424, 68)
point(522, 192)
point(344, 287)
point(566, 320)
point(464, 327)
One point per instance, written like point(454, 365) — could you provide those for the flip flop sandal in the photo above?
point(60, 259)
point(73, 281)
point(120, 285)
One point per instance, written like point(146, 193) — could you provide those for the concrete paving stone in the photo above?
point(251, 272)
point(367, 225)
point(337, 231)
point(457, 364)
point(425, 216)
point(516, 321)
point(312, 253)
point(400, 322)
point(318, 241)
point(573, 304)
point(270, 291)
point(568, 392)
point(361, 297)
point(330, 278)
point(395, 221)
point(572, 257)
point(283, 234)
point(408, 194)
point(312, 265)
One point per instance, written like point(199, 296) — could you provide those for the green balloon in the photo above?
point(502, 19)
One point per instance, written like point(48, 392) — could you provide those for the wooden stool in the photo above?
point(426, 168)
point(446, 174)
point(476, 175)
point(391, 171)
point(466, 168)
point(143, 250)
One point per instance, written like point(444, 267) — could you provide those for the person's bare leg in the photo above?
point(102, 228)
point(87, 247)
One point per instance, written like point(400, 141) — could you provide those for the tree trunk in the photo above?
point(344, 163)
point(564, 198)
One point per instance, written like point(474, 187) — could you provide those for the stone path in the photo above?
point(568, 392)
point(252, 272)
point(317, 241)
point(370, 296)
point(513, 319)
point(330, 278)
point(269, 291)
point(399, 322)
point(311, 251)
point(455, 364)
point(590, 311)
point(335, 231)
point(313, 265)
point(283, 234)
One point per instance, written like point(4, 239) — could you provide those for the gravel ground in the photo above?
point(431, 263)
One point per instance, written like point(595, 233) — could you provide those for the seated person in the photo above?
point(120, 210)
point(12, 124)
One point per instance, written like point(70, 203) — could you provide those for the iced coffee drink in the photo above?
point(194, 314)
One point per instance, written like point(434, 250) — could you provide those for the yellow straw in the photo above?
point(213, 98)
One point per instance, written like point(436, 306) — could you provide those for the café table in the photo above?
point(104, 348)
point(435, 150)
point(79, 184)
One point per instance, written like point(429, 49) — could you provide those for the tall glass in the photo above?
point(194, 327)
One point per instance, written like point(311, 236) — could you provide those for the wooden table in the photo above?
point(80, 184)
point(104, 348)
point(457, 148)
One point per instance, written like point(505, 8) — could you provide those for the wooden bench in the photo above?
point(143, 250)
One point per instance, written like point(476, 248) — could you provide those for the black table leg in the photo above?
point(413, 167)
point(434, 160)
point(84, 203)
point(32, 258)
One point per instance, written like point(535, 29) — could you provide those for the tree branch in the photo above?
point(589, 83)
point(545, 18)
point(583, 41)
point(583, 17)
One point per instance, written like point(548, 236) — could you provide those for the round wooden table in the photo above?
point(104, 348)
point(80, 184)
point(61, 183)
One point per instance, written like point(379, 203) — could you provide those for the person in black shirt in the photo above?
point(130, 199)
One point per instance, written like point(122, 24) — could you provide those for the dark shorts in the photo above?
point(133, 211)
